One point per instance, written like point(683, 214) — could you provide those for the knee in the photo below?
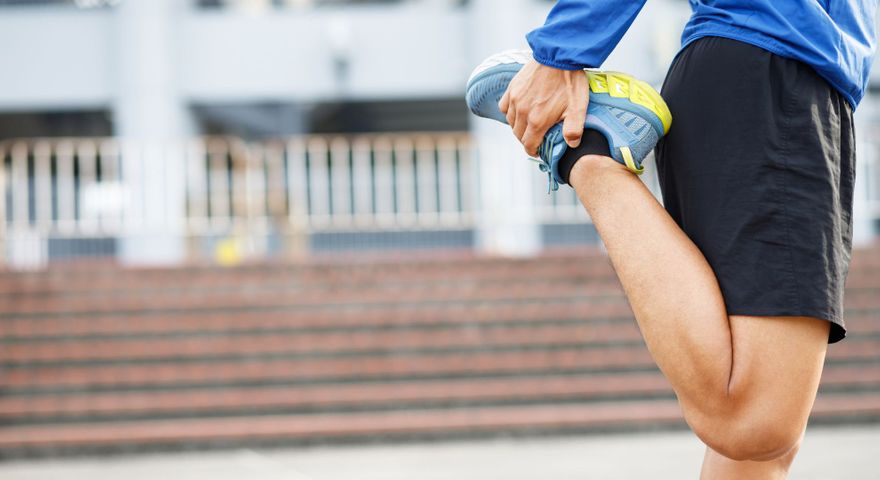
point(763, 440)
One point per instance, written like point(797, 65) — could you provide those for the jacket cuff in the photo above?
point(552, 63)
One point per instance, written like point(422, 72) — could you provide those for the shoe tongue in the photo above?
point(554, 147)
point(557, 151)
point(548, 146)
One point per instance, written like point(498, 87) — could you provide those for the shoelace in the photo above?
point(544, 152)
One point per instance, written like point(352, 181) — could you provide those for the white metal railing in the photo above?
point(867, 191)
point(87, 187)
point(217, 187)
point(321, 183)
point(77, 186)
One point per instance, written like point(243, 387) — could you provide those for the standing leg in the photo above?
point(719, 467)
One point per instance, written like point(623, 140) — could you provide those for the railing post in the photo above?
point(507, 222)
point(27, 244)
point(863, 215)
point(865, 192)
point(149, 110)
point(298, 202)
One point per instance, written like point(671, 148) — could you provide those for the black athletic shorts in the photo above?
point(758, 169)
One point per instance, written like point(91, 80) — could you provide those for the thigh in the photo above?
point(777, 365)
point(757, 171)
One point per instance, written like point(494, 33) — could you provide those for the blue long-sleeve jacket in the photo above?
point(835, 37)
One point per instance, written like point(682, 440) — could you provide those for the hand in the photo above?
point(539, 97)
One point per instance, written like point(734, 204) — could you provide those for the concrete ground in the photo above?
point(851, 453)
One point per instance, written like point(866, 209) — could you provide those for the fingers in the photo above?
point(573, 126)
point(521, 123)
point(511, 114)
point(529, 126)
point(505, 102)
point(508, 108)
point(531, 138)
point(517, 119)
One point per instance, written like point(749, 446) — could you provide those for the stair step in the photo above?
point(364, 317)
point(382, 319)
point(376, 342)
point(317, 427)
point(555, 387)
point(407, 365)
point(369, 295)
point(320, 426)
point(375, 394)
point(452, 337)
point(312, 270)
point(233, 278)
point(91, 280)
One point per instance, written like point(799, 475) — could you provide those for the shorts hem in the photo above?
point(835, 334)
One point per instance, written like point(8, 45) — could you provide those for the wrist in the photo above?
point(549, 62)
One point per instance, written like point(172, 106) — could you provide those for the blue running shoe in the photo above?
point(628, 112)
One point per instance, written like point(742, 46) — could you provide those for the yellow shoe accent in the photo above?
point(597, 83)
point(622, 85)
point(619, 85)
point(630, 162)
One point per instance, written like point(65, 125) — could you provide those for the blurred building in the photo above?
point(253, 72)
point(258, 68)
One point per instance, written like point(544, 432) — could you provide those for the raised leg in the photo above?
point(746, 384)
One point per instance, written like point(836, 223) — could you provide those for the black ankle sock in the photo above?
point(592, 143)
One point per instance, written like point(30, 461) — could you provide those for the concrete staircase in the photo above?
point(99, 359)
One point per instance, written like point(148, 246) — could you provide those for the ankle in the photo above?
point(595, 164)
point(592, 143)
point(591, 168)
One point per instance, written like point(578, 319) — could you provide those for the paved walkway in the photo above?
point(850, 453)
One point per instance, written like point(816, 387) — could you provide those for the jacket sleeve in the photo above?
point(582, 33)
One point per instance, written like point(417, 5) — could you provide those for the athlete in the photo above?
point(737, 281)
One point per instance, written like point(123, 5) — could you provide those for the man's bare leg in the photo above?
point(746, 385)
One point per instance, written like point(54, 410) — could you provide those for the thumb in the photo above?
point(573, 126)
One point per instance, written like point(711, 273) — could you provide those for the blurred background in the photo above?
point(273, 223)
